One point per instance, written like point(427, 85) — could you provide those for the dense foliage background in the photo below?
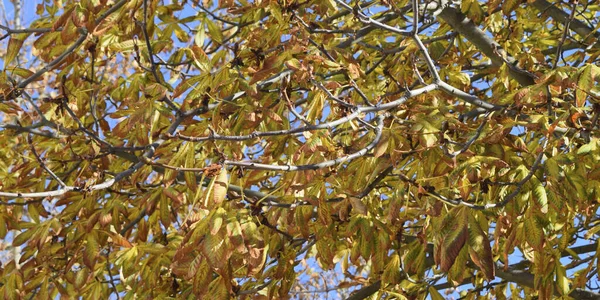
point(274, 149)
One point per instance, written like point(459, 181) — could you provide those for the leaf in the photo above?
point(202, 279)
point(217, 289)
point(91, 251)
point(331, 5)
point(325, 253)
point(355, 71)
point(358, 205)
point(587, 148)
point(414, 259)
point(509, 5)
point(435, 295)
point(3, 228)
point(217, 221)
point(479, 248)
point(220, 187)
point(473, 10)
point(23, 73)
point(24, 237)
point(458, 272)
point(119, 240)
point(200, 58)
point(452, 237)
point(392, 274)
point(270, 66)
point(190, 177)
point(14, 47)
point(215, 250)
point(562, 281)
point(60, 22)
point(533, 233)
point(165, 212)
point(539, 191)
point(200, 36)
point(585, 82)
point(214, 31)
point(382, 146)
point(552, 168)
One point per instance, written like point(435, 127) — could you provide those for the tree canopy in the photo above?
point(189, 148)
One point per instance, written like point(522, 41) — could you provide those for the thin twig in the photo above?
point(41, 162)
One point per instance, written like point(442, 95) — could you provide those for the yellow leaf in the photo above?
point(215, 32)
point(23, 73)
point(24, 237)
point(435, 295)
point(201, 279)
point(562, 282)
point(533, 233)
point(14, 46)
point(540, 195)
point(91, 251)
point(218, 289)
point(220, 187)
point(392, 274)
point(217, 221)
point(381, 146)
point(200, 36)
point(585, 82)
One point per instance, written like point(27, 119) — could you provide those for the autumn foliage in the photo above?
point(275, 149)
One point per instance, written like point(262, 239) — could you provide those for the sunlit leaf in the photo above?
point(14, 47)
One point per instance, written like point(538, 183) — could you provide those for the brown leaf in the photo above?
point(269, 67)
point(382, 146)
point(60, 22)
point(358, 205)
point(453, 236)
point(479, 248)
point(121, 241)
point(14, 47)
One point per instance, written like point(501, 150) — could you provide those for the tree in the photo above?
point(202, 149)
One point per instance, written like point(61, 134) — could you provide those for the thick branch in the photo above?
point(563, 17)
point(488, 46)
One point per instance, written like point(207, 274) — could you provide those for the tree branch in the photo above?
point(557, 14)
point(488, 46)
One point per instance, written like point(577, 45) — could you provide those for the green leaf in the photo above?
point(214, 31)
point(587, 148)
